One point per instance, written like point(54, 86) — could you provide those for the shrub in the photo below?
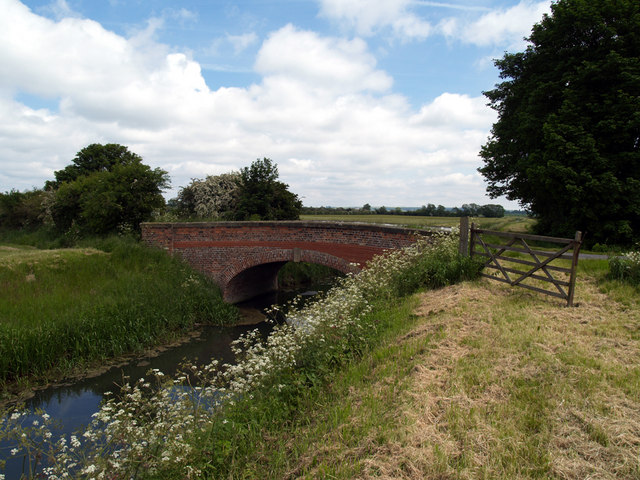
point(626, 268)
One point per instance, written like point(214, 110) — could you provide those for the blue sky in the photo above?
point(357, 101)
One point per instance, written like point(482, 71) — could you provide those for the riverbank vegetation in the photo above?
point(61, 309)
point(480, 381)
point(179, 431)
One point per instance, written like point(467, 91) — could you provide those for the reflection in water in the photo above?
point(72, 405)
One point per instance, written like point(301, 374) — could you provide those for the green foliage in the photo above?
point(106, 190)
point(491, 211)
point(210, 198)
point(429, 210)
point(95, 158)
point(21, 209)
point(44, 237)
point(567, 141)
point(626, 268)
point(263, 197)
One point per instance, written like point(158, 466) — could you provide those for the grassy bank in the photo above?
point(65, 308)
point(476, 380)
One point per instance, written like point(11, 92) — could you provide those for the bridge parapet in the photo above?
point(235, 254)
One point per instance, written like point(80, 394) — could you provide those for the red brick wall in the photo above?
point(225, 249)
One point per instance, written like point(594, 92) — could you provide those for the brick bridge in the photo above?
point(243, 258)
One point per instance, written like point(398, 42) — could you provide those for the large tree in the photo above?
point(567, 140)
point(107, 188)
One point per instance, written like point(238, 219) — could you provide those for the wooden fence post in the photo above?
point(577, 243)
point(472, 238)
point(464, 236)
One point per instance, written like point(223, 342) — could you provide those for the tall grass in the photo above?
point(626, 268)
point(62, 308)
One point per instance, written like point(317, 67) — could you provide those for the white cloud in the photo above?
point(58, 9)
point(322, 111)
point(368, 17)
point(242, 42)
point(503, 27)
point(329, 63)
point(237, 43)
point(455, 110)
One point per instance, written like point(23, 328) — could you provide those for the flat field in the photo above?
point(513, 223)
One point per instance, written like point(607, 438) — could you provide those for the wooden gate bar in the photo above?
point(517, 243)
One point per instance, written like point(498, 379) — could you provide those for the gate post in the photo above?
point(577, 243)
point(464, 237)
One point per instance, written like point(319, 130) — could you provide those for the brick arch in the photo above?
point(223, 250)
point(255, 274)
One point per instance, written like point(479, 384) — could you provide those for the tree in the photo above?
point(106, 189)
point(95, 158)
point(211, 197)
point(262, 196)
point(567, 140)
point(491, 211)
point(470, 210)
point(21, 209)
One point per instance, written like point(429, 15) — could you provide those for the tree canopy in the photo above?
point(253, 193)
point(107, 188)
point(22, 209)
point(212, 197)
point(262, 196)
point(567, 140)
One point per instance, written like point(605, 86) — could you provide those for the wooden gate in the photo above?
point(538, 264)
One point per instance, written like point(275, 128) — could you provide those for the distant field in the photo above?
point(512, 223)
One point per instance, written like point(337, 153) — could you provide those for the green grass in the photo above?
point(476, 380)
point(514, 223)
point(64, 308)
point(320, 432)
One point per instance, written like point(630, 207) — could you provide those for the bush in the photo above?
point(626, 268)
point(21, 209)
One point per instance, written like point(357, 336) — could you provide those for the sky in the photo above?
point(356, 101)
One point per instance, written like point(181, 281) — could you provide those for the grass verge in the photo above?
point(65, 308)
point(478, 380)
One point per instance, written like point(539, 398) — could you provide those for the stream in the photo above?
point(73, 404)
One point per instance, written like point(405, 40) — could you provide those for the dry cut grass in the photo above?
point(486, 382)
point(518, 386)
